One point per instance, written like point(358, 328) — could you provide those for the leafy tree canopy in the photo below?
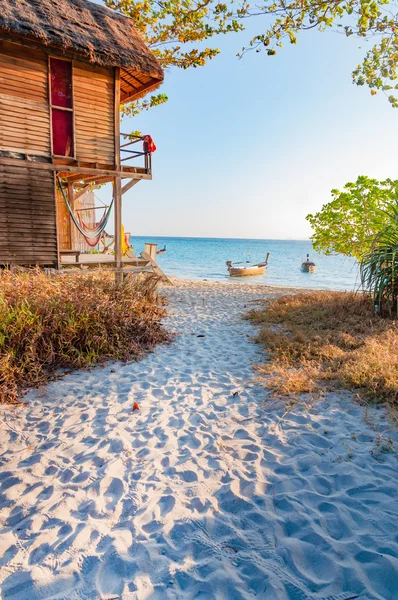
point(372, 20)
point(178, 32)
point(349, 223)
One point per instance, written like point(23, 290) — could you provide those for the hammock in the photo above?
point(92, 242)
point(87, 233)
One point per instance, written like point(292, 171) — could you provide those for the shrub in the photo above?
point(71, 321)
point(323, 340)
point(379, 266)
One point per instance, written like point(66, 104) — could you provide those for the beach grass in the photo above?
point(318, 341)
point(48, 324)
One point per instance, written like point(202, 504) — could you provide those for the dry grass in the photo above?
point(71, 321)
point(323, 340)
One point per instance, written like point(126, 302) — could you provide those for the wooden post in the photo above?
point(151, 250)
point(117, 186)
point(117, 118)
point(73, 230)
point(58, 263)
point(117, 207)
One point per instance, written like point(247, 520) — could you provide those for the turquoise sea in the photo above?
point(204, 258)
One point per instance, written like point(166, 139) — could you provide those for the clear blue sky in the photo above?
point(247, 148)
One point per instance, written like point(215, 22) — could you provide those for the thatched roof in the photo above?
point(96, 33)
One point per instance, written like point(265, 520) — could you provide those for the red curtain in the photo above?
point(62, 132)
point(61, 83)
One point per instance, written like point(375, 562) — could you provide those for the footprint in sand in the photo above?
point(114, 493)
point(166, 504)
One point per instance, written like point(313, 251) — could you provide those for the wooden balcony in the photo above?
point(135, 162)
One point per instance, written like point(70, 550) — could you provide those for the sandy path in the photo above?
point(202, 493)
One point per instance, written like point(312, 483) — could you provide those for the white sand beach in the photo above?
point(209, 491)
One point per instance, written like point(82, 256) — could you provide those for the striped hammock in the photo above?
point(89, 234)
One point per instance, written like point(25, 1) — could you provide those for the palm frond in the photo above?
point(379, 267)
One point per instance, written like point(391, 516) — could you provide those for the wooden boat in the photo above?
point(246, 270)
point(162, 250)
point(308, 266)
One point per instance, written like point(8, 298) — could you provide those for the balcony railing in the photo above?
point(131, 154)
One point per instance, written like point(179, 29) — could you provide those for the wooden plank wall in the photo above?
point(64, 223)
point(24, 108)
point(27, 216)
point(93, 92)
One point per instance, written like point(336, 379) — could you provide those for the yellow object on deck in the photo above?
point(125, 246)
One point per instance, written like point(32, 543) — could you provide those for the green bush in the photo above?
point(379, 266)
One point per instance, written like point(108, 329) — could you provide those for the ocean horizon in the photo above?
point(205, 258)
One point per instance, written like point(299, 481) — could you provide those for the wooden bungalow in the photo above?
point(66, 66)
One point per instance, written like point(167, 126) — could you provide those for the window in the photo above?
point(61, 106)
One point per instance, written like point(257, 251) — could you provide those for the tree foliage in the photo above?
point(369, 20)
point(179, 32)
point(349, 223)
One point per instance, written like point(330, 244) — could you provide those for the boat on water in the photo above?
point(242, 271)
point(308, 266)
point(162, 250)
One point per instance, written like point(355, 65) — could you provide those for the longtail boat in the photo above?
point(237, 271)
point(308, 266)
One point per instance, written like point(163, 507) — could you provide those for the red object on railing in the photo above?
point(149, 144)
